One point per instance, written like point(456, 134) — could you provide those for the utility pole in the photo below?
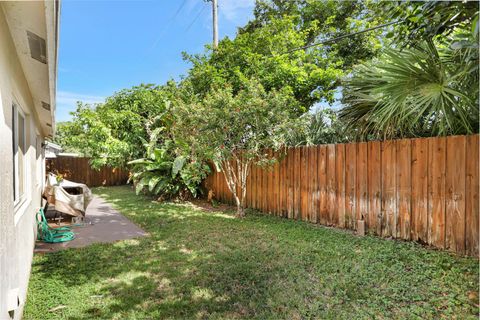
point(215, 23)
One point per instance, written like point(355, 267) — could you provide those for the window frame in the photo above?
point(19, 197)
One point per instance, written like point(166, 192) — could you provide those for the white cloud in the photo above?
point(71, 98)
point(236, 10)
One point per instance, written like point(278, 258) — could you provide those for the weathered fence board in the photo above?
point(419, 204)
point(79, 170)
point(455, 194)
point(389, 214)
point(471, 195)
point(331, 186)
point(404, 189)
point(424, 189)
point(436, 197)
point(374, 188)
point(350, 174)
point(340, 183)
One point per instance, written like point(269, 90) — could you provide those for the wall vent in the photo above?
point(45, 106)
point(38, 48)
point(49, 125)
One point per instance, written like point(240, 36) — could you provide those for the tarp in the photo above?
point(72, 204)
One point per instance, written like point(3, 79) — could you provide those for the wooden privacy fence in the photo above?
point(79, 170)
point(423, 189)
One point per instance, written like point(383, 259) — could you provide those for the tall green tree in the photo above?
point(425, 20)
point(114, 132)
point(234, 130)
point(266, 49)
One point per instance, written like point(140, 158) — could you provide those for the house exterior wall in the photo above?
point(17, 221)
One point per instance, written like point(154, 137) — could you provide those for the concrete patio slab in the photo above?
point(103, 225)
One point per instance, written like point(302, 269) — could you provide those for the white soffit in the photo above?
point(39, 21)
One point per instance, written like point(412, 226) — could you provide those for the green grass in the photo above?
point(209, 265)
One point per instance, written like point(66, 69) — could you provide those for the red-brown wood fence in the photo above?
point(79, 170)
point(424, 189)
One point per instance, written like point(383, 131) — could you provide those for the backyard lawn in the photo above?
point(199, 264)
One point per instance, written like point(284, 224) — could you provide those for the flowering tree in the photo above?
point(234, 130)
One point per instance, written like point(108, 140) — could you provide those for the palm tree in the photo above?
point(426, 90)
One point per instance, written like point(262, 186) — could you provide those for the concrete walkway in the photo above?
point(103, 224)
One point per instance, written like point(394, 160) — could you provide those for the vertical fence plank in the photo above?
point(249, 187)
point(331, 186)
point(271, 186)
point(455, 194)
point(311, 183)
point(350, 175)
point(340, 182)
point(472, 199)
point(258, 188)
point(248, 190)
point(436, 192)
point(280, 184)
point(254, 187)
point(283, 203)
point(276, 188)
point(304, 184)
point(219, 186)
point(254, 193)
point(221, 183)
point(290, 182)
point(374, 188)
point(298, 179)
point(389, 215)
point(322, 181)
point(225, 191)
point(361, 183)
point(265, 189)
point(404, 188)
point(419, 171)
point(308, 194)
point(221, 191)
point(314, 190)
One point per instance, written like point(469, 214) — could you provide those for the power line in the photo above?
point(195, 19)
point(179, 9)
point(167, 26)
point(341, 37)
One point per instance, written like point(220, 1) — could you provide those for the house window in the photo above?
point(19, 144)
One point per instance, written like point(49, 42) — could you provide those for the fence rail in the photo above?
point(424, 189)
point(79, 170)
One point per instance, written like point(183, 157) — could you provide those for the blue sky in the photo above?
point(106, 46)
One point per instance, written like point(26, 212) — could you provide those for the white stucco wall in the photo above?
point(17, 224)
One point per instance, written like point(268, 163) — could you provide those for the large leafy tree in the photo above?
point(422, 20)
point(114, 132)
point(235, 129)
point(270, 49)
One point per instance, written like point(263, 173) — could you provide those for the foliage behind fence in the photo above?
point(422, 189)
point(79, 170)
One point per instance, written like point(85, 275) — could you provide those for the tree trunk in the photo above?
point(240, 211)
point(237, 178)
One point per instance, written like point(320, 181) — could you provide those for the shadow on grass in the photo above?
point(169, 274)
point(197, 265)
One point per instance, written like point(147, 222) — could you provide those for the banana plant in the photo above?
point(162, 172)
